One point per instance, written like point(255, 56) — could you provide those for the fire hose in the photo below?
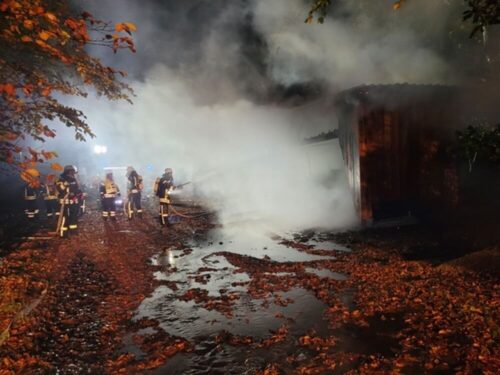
point(199, 214)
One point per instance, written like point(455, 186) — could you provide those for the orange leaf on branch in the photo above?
point(397, 5)
point(10, 136)
point(56, 167)
point(46, 91)
point(8, 88)
point(29, 178)
point(125, 26)
point(48, 155)
point(33, 172)
point(48, 132)
point(37, 34)
point(34, 154)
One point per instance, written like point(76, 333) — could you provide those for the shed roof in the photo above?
point(394, 94)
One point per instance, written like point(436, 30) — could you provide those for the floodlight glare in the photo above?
point(99, 149)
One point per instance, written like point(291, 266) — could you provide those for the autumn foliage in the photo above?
point(44, 58)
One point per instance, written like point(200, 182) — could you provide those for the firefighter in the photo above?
point(50, 196)
point(30, 198)
point(135, 187)
point(69, 191)
point(162, 188)
point(109, 191)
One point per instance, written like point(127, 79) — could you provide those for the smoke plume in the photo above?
point(228, 90)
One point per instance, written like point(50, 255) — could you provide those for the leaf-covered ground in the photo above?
point(70, 306)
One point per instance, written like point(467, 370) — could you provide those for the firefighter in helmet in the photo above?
point(109, 191)
point(31, 192)
point(50, 196)
point(162, 188)
point(68, 190)
point(135, 186)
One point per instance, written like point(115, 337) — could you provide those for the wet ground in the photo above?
point(199, 298)
point(206, 268)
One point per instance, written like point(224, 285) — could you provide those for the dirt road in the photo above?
point(129, 296)
point(86, 289)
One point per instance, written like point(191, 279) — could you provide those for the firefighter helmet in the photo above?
point(69, 168)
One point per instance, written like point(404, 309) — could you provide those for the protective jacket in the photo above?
point(108, 189)
point(134, 182)
point(163, 187)
point(68, 189)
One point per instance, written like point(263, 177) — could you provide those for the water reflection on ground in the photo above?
point(207, 269)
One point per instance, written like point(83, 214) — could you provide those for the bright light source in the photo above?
point(99, 149)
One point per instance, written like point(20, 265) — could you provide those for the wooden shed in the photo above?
point(395, 141)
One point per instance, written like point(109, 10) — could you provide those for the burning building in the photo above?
point(396, 141)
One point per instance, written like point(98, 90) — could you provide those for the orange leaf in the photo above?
point(38, 10)
point(28, 24)
point(71, 23)
point(131, 26)
point(33, 153)
point(9, 89)
point(41, 43)
point(10, 136)
point(25, 176)
point(32, 172)
point(26, 39)
point(27, 89)
point(56, 167)
point(396, 5)
point(51, 17)
point(46, 91)
point(49, 133)
point(48, 155)
point(44, 35)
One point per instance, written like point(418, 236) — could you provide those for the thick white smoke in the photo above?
point(200, 73)
point(245, 160)
point(370, 44)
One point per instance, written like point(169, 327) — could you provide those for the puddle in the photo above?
point(326, 273)
point(205, 270)
point(129, 345)
point(253, 244)
point(250, 317)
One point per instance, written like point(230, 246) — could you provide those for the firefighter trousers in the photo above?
point(164, 211)
point(70, 218)
point(134, 203)
point(31, 208)
point(108, 207)
point(52, 207)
